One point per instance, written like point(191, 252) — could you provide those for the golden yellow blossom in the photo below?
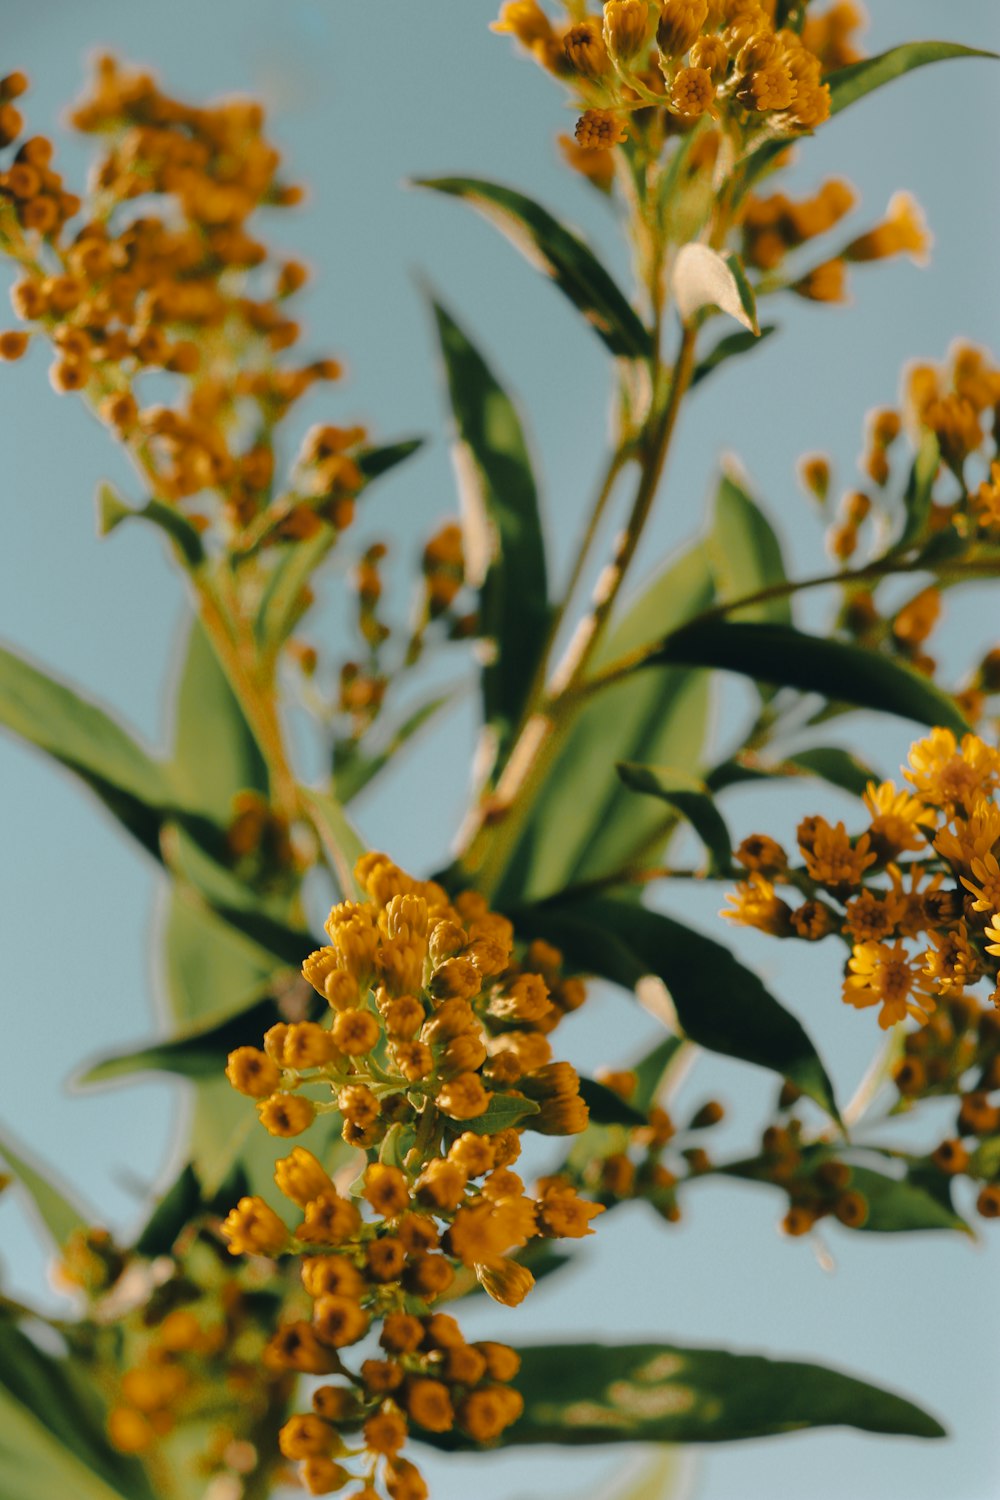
point(888, 977)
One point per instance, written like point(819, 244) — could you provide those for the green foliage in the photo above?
point(917, 496)
point(745, 554)
point(606, 1107)
point(631, 1393)
point(112, 511)
point(504, 547)
point(342, 845)
point(720, 1005)
point(784, 657)
point(558, 253)
point(848, 85)
point(502, 1111)
point(355, 768)
point(689, 797)
point(728, 348)
point(53, 1203)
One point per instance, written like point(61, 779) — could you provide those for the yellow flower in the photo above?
point(952, 964)
point(830, 857)
point(253, 1228)
point(987, 891)
point(896, 819)
point(880, 975)
point(505, 1281)
point(598, 129)
point(755, 905)
point(949, 775)
point(971, 838)
point(873, 915)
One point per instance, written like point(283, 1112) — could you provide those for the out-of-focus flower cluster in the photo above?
point(655, 66)
point(436, 1056)
point(178, 1344)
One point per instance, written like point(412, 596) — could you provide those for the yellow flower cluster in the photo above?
point(921, 928)
point(684, 59)
point(164, 276)
point(436, 1056)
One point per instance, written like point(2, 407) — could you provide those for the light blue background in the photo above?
point(363, 95)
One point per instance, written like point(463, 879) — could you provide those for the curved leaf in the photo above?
point(704, 278)
point(558, 253)
point(502, 1111)
point(606, 1107)
point(505, 550)
point(849, 84)
point(895, 1206)
point(839, 767)
point(354, 768)
point(720, 1004)
point(919, 489)
point(745, 552)
point(53, 1203)
point(727, 348)
point(663, 1393)
point(691, 798)
point(112, 511)
point(373, 462)
point(789, 658)
point(215, 753)
point(341, 842)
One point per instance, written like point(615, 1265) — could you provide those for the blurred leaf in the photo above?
point(919, 488)
point(650, 1071)
point(85, 739)
point(895, 1205)
point(745, 553)
point(353, 771)
point(704, 278)
point(373, 462)
point(53, 1204)
point(52, 1443)
point(789, 658)
point(720, 1004)
point(283, 600)
point(586, 824)
point(838, 767)
point(631, 1393)
point(181, 1203)
point(215, 753)
point(691, 798)
point(849, 84)
point(558, 253)
point(727, 348)
point(112, 510)
point(606, 1107)
point(502, 1111)
point(342, 845)
point(504, 547)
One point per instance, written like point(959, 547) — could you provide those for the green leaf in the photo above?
point(720, 1004)
point(283, 599)
point(662, 1393)
point(112, 510)
point(895, 1205)
point(691, 798)
point(745, 553)
point(789, 658)
point(838, 767)
point(606, 1107)
point(373, 462)
point(558, 253)
point(342, 844)
point(586, 824)
point(505, 550)
point(502, 1111)
point(919, 488)
point(215, 753)
point(727, 348)
point(651, 1070)
point(353, 771)
point(53, 1204)
point(52, 1442)
point(849, 84)
point(179, 1205)
point(89, 742)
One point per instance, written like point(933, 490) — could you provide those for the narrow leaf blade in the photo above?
point(848, 85)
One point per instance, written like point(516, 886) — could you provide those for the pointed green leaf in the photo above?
point(727, 348)
point(112, 510)
point(89, 742)
point(606, 1107)
point(839, 767)
point(691, 798)
point(215, 753)
point(502, 1111)
point(661, 1393)
point(373, 462)
point(181, 1202)
point(919, 489)
point(558, 253)
point(198, 1052)
point(53, 1203)
point(745, 552)
point(504, 547)
point(651, 1071)
point(895, 1205)
point(586, 824)
point(789, 658)
point(283, 599)
point(720, 1004)
point(849, 84)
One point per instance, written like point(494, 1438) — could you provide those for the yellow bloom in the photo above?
point(896, 819)
point(971, 838)
point(948, 774)
point(873, 915)
point(880, 975)
point(253, 1228)
point(952, 964)
point(987, 891)
point(830, 857)
point(755, 905)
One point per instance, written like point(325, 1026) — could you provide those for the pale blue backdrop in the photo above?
point(362, 96)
